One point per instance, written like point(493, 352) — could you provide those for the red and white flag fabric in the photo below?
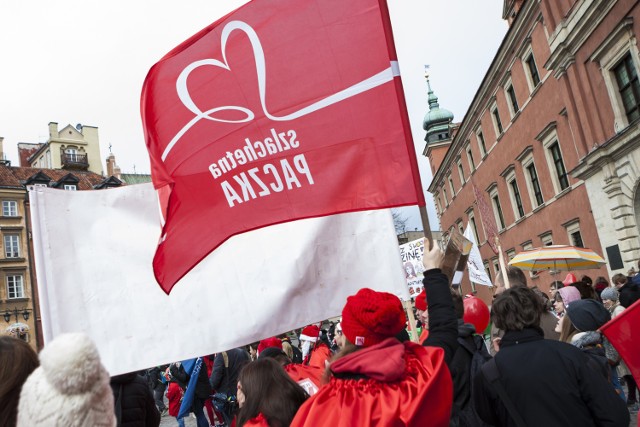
point(487, 218)
point(622, 332)
point(277, 112)
point(268, 281)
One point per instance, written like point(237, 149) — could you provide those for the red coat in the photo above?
point(174, 395)
point(319, 355)
point(308, 377)
point(406, 384)
point(259, 421)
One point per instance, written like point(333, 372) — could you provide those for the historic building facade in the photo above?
point(72, 148)
point(19, 307)
point(548, 146)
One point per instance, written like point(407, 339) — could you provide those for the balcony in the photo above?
point(74, 161)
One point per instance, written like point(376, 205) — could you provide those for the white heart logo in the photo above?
point(378, 79)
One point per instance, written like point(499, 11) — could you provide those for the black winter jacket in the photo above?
point(203, 391)
point(225, 380)
point(551, 383)
point(629, 293)
point(136, 406)
point(443, 323)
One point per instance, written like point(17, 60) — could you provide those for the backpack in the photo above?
point(474, 347)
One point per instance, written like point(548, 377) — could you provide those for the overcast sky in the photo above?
point(80, 61)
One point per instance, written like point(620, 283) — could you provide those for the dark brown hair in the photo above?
point(586, 291)
point(269, 391)
point(516, 308)
point(17, 362)
point(458, 305)
point(516, 277)
point(619, 278)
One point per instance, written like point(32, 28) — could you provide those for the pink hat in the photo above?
point(569, 279)
point(569, 294)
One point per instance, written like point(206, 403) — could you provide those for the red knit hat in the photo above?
point(310, 333)
point(269, 342)
point(369, 317)
point(421, 301)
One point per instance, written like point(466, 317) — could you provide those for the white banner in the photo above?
point(475, 266)
point(411, 254)
point(93, 252)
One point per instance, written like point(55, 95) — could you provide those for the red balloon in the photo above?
point(477, 313)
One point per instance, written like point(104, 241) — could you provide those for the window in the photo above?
point(472, 163)
point(453, 190)
point(561, 173)
point(497, 207)
point(12, 246)
point(532, 70)
point(535, 184)
point(488, 270)
point(496, 120)
point(496, 266)
point(546, 239)
point(483, 147)
point(618, 59)
point(498, 211)
point(573, 231)
point(9, 208)
point(446, 199)
point(510, 254)
point(474, 226)
point(461, 173)
point(70, 187)
point(513, 101)
point(48, 159)
point(628, 87)
point(515, 194)
point(460, 227)
point(71, 154)
point(15, 286)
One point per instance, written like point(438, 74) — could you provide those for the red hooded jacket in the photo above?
point(387, 384)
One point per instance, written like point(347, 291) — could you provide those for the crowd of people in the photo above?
point(545, 363)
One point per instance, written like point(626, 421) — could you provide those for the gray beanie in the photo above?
point(610, 294)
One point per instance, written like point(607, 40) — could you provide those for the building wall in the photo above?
point(12, 266)
point(609, 153)
point(85, 140)
point(565, 107)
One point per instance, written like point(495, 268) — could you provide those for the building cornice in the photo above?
point(573, 31)
point(520, 29)
point(615, 148)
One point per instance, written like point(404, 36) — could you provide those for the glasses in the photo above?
point(339, 332)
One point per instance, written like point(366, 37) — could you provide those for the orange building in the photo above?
point(551, 137)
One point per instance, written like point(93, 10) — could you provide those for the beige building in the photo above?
point(72, 148)
point(17, 305)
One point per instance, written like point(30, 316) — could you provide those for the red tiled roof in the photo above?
point(25, 153)
point(16, 176)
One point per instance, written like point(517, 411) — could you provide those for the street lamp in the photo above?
point(7, 314)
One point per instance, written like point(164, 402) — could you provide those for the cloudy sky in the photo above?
point(79, 61)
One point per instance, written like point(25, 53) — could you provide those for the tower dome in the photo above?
point(437, 121)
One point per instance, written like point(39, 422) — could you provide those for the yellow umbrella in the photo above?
point(557, 258)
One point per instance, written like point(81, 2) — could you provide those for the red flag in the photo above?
point(279, 111)
point(487, 218)
point(622, 332)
